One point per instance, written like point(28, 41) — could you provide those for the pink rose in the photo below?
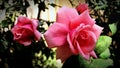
point(73, 34)
point(25, 30)
point(82, 7)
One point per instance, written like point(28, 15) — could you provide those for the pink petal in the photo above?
point(34, 23)
point(23, 37)
point(25, 42)
point(36, 32)
point(82, 18)
point(88, 45)
point(22, 20)
point(63, 53)
point(65, 14)
point(93, 54)
point(71, 45)
point(97, 30)
point(37, 35)
point(22, 31)
point(80, 46)
point(16, 34)
point(28, 26)
point(85, 55)
point(56, 35)
point(75, 32)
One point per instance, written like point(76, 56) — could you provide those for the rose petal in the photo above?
point(34, 23)
point(93, 54)
point(56, 35)
point(21, 35)
point(97, 30)
point(85, 55)
point(18, 32)
point(36, 32)
point(65, 14)
point(82, 18)
point(63, 52)
point(76, 31)
point(71, 45)
point(89, 44)
point(28, 26)
point(27, 34)
point(37, 35)
point(25, 42)
point(22, 20)
point(78, 45)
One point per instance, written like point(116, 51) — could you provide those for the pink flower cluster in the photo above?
point(72, 33)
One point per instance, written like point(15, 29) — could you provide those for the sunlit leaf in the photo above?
point(105, 54)
point(113, 28)
point(103, 43)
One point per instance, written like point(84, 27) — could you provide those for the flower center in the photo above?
point(83, 35)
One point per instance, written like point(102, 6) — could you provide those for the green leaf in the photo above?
point(101, 63)
point(100, 7)
point(105, 54)
point(113, 28)
point(103, 43)
point(77, 61)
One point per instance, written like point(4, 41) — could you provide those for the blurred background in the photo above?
point(37, 55)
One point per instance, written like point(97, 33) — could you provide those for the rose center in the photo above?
point(83, 35)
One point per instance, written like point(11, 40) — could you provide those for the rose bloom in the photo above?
point(82, 7)
point(73, 34)
point(25, 30)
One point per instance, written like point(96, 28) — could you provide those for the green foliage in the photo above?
point(105, 54)
point(102, 63)
point(102, 46)
point(103, 43)
point(80, 62)
point(100, 7)
point(113, 28)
